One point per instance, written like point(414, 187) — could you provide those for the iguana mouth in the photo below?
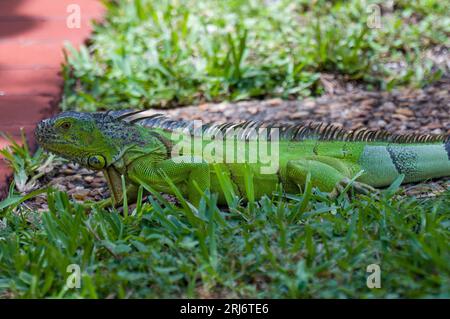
point(43, 131)
point(46, 136)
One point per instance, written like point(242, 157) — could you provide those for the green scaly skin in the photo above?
point(139, 148)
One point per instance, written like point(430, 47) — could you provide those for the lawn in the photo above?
point(306, 245)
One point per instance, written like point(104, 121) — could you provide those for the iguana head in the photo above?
point(94, 140)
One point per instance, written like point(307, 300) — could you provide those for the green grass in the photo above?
point(280, 246)
point(165, 53)
point(28, 168)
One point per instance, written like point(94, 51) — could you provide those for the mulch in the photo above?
point(400, 111)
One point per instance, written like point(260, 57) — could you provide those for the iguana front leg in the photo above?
point(183, 171)
point(114, 180)
point(327, 173)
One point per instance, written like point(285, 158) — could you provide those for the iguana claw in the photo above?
point(358, 188)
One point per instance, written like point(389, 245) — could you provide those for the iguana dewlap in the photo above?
point(147, 150)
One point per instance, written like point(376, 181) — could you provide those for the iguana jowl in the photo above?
point(140, 148)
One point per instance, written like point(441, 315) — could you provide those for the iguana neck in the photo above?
point(140, 143)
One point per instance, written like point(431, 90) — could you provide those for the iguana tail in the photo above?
point(418, 162)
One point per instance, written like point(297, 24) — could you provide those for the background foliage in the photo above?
point(163, 53)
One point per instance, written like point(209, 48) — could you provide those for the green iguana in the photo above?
point(146, 150)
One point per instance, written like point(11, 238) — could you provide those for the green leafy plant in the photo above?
point(167, 53)
point(28, 168)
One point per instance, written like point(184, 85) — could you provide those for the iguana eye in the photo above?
point(96, 162)
point(65, 125)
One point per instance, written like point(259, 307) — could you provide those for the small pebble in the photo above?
point(89, 179)
point(81, 194)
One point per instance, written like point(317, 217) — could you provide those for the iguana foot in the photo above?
point(104, 203)
point(358, 188)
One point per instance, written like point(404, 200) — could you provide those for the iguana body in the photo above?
point(142, 149)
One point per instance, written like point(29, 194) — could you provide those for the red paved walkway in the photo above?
point(32, 34)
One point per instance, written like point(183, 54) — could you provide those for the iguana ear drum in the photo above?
point(96, 162)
